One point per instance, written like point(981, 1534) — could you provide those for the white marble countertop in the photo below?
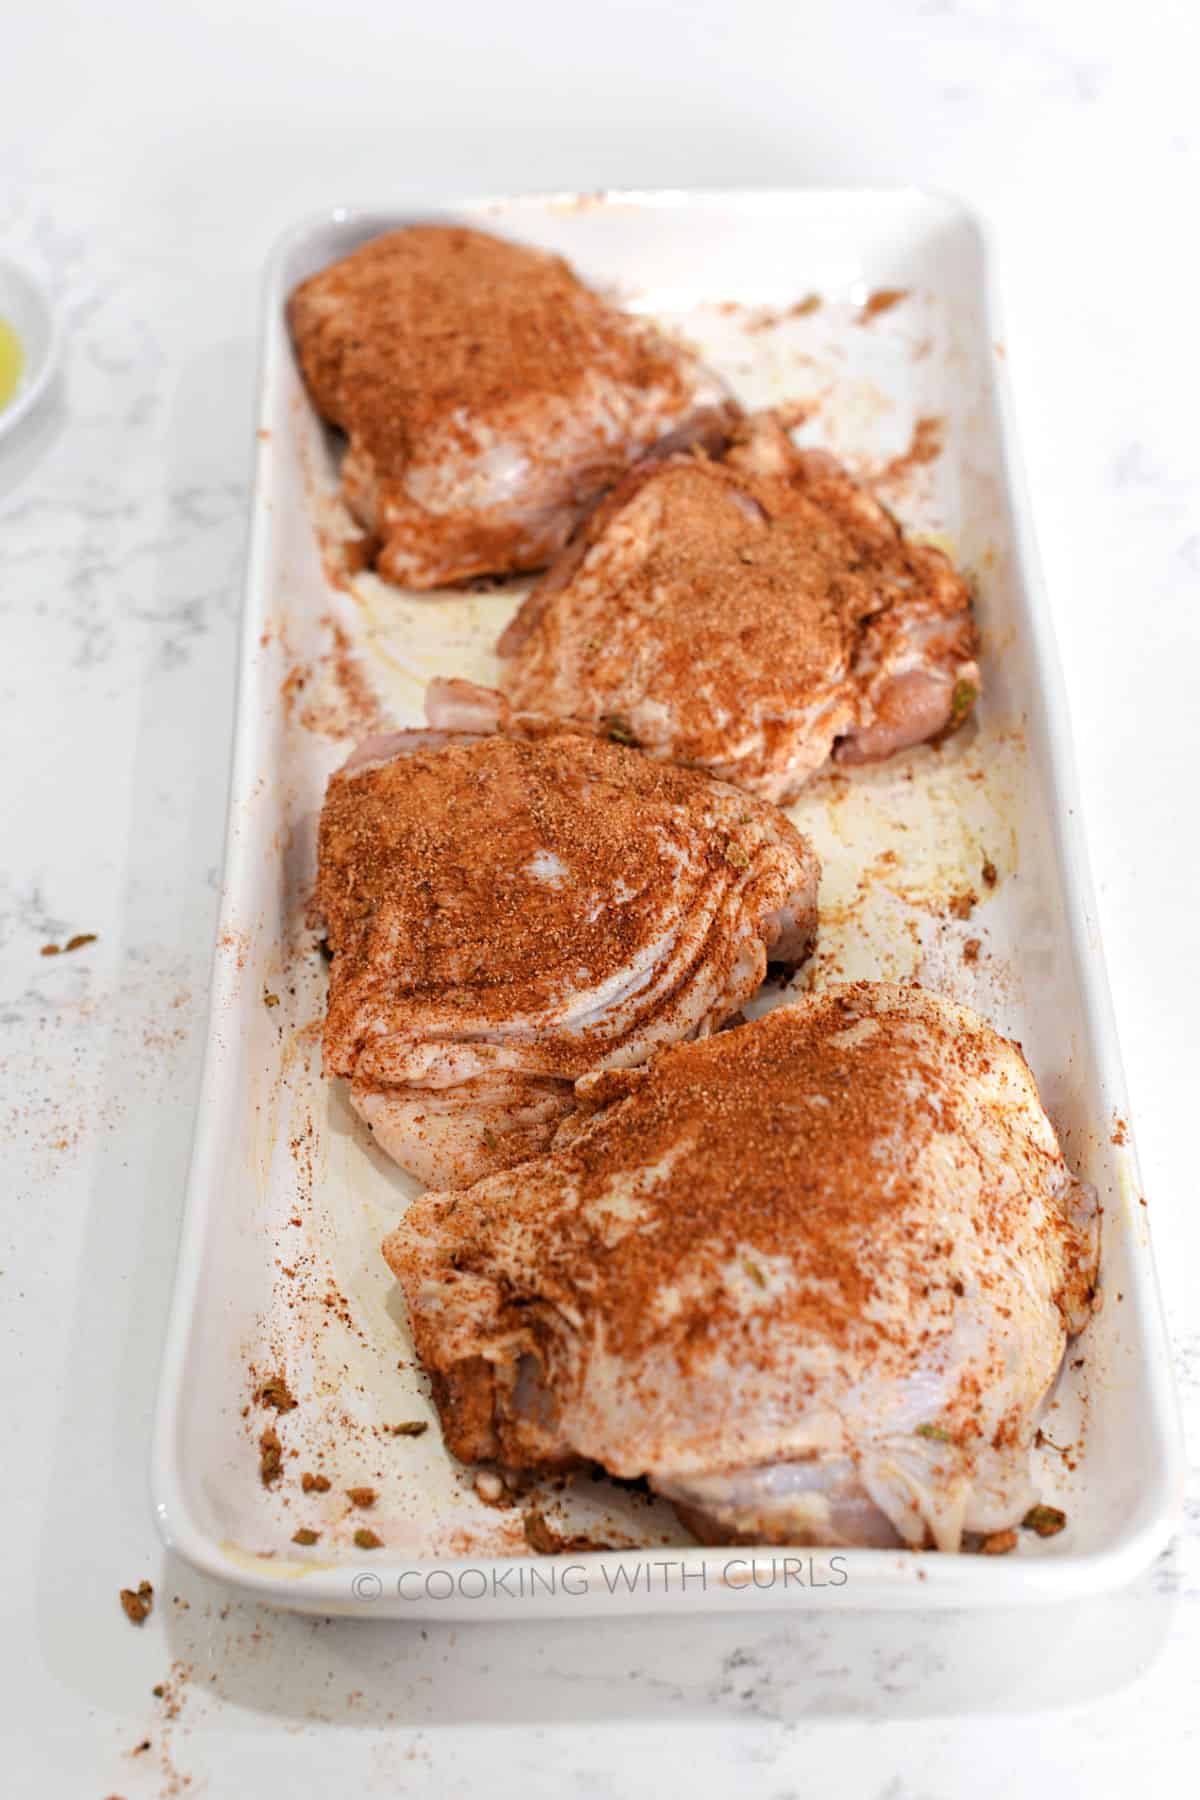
point(148, 157)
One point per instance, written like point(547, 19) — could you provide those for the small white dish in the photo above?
point(25, 306)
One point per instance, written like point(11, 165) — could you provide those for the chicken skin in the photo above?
point(752, 616)
point(507, 915)
point(488, 397)
point(813, 1277)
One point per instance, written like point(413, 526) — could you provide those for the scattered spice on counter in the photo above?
point(73, 943)
point(961, 906)
point(971, 950)
point(138, 1603)
point(989, 874)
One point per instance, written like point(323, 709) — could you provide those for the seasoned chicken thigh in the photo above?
point(488, 396)
point(813, 1277)
point(751, 616)
point(505, 916)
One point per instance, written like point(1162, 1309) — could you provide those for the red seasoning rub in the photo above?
point(275, 1392)
point(488, 396)
point(880, 301)
point(812, 1277)
point(925, 446)
point(752, 616)
point(505, 915)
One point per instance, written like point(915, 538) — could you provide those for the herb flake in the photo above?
point(1047, 1521)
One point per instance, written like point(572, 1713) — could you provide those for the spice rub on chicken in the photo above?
point(813, 1277)
point(752, 616)
point(507, 915)
point(488, 397)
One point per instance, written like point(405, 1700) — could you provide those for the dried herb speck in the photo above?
point(137, 1603)
point(1047, 1521)
point(270, 1457)
point(962, 700)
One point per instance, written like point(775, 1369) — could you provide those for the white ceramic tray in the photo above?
point(962, 865)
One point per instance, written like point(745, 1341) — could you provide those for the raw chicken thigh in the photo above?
point(752, 616)
point(505, 916)
point(488, 396)
point(813, 1277)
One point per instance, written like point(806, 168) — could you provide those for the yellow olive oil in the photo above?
point(10, 362)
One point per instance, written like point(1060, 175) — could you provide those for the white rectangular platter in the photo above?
point(962, 866)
